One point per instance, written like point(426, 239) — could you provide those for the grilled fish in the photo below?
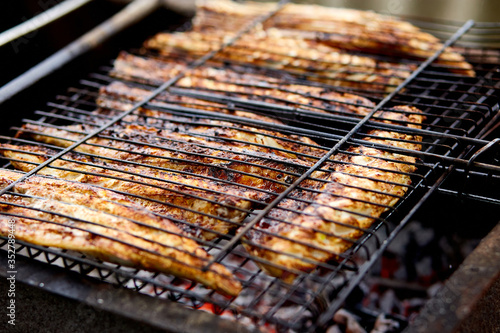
point(212, 205)
point(365, 182)
point(295, 56)
point(251, 86)
point(224, 81)
point(261, 159)
point(200, 177)
point(249, 158)
point(119, 96)
point(196, 204)
point(347, 29)
point(152, 72)
point(105, 225)
point(410, 116)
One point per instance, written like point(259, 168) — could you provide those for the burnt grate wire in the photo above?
point(455, 111)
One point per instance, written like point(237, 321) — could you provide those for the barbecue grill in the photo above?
point(457, 159)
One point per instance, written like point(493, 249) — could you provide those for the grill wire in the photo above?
point(458, 111)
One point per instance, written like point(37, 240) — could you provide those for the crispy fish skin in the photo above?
point(146, 241)
point(211, 137)
point(272, 179)
point(258, 86)
point(364, 184)
point(118, 95)
point(400, 46)
point(331, 66)
point(348, 29)
point(224, 80)
point(227, 160)
point(176, 196)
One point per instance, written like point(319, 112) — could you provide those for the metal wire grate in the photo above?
point(457, 108)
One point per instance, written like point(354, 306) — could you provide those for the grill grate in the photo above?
point(458, 110)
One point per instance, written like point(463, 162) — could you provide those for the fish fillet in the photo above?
point(211, 205)
point(196, 204)
point(224, 81)
point(264, 166)
point(112, 95)
point(297, 236)
point(106, 225)
point(347, 29)
point(298, 57)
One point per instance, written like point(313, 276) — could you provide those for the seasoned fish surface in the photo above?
point(295, 56)
point(225, 81)
point(347, 29)
point(298, 236)
point(105, 225)
point(270, 165)
point(314, 226)
point(197, 205)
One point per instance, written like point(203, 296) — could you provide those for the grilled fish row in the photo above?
point(217, 212)
point(311, 228)
point(345, 29)
point(185, 163)
point(106, 225)
point(350, 199)
point(194, 203)
point(233, 153)
point(226, 81)
point(298, 57)
point(219, 83)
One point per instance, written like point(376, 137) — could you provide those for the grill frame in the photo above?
point(451, 160)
